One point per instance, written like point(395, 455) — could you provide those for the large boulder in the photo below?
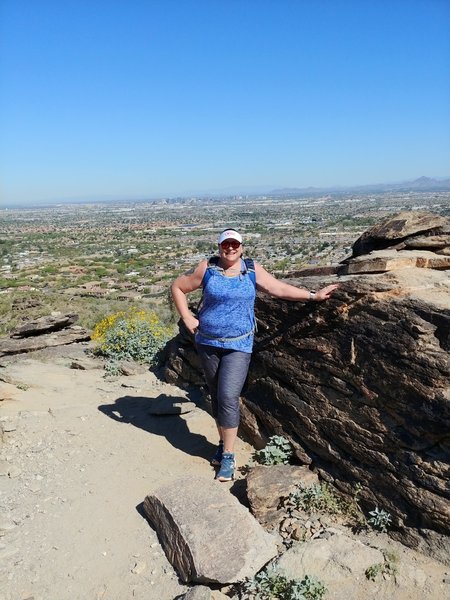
point(399, 228)
point(207, 535)
point(267, 485)
point(360, 385)
point(356, 570)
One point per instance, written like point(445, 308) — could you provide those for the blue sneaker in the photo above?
point(227, 466)
point(217, 458)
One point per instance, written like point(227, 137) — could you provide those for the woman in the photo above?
point(224, 330)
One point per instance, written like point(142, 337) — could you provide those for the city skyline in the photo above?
point(149, 99)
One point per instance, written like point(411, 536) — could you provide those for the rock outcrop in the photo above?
point(428, 230)
point(360, 384)
point(53, 330)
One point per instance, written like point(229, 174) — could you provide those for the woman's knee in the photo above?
point(228, 411)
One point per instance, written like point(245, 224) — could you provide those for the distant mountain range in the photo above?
point(422, 184)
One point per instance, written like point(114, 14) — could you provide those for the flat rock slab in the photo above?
point(436, 241)
point(207, 535)
point(44, 325)
point(69, 335)
point(380, 261)
point(170, 406)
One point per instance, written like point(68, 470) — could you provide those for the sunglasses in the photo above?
point(230, 244)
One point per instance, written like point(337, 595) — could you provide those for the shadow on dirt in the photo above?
point(134, 410)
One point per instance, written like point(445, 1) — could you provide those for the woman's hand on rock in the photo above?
point(326, 292)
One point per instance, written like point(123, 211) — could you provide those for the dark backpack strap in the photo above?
point(213, 261)
point(250, 266)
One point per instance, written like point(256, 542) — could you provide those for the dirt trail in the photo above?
point(80, 458)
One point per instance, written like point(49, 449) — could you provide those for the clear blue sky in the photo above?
point(142, 98)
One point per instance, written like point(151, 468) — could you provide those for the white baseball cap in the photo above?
point(230, 234)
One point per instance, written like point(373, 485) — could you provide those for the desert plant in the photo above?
point(321, 497)
point(131, 335)
point(388, 567)
point(379, 519)
point(318, 497)
point(309, 588)
point(272, 584)
point(373, 571)
point(276, 452)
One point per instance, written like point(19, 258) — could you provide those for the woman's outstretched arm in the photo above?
point(280, 289)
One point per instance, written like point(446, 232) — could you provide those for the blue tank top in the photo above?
point(226, 316)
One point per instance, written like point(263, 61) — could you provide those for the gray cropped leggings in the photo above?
point(225, 373)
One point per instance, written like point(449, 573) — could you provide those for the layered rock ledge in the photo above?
point(45, 332)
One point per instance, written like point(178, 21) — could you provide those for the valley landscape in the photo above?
point(94, 259)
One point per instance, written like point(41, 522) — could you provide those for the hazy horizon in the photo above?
point(204, 194)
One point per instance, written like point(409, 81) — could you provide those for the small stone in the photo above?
point(129, 368)
point(9, 426)
point(170, 406)
point(139, 567)
point(297, 532)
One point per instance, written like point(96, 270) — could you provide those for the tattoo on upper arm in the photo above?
point(189, 272)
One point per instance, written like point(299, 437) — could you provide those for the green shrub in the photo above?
point(379, 519)
point(319, 497)
point(277, 451)
point(272, 584)
point(131, 335)
point(388, 567)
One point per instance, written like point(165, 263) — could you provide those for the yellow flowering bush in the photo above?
point(131, 335)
